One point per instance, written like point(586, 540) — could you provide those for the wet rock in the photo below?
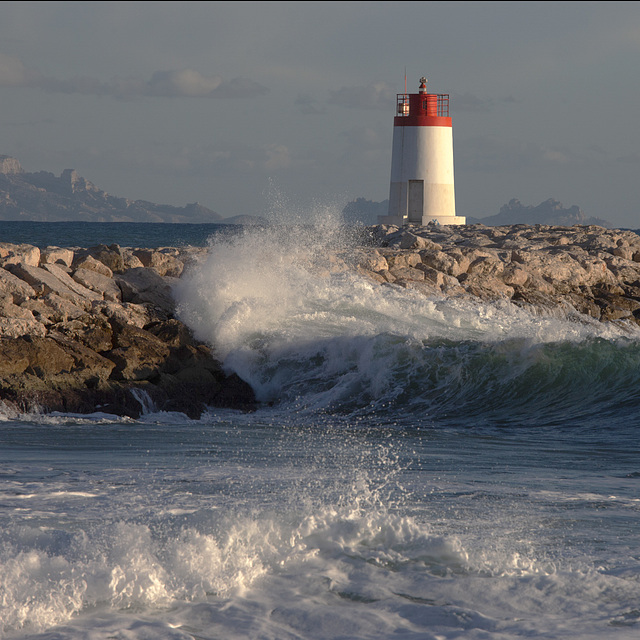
point(93, 330)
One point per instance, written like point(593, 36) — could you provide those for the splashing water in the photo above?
point(285, 308)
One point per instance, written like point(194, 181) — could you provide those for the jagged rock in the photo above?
point(56, 255)
point(94, 332)
point(372, 261)
point(15, 286)
point(409, 240)
point(138, 354)
point(58, 309)
point(17, 327)
point(90, 335)
point(71, 284)
point(161, 262)
point(44, 282)
point(136, 315)
point(88, 262)
point(110, 257)
point(69, 343)
point(540, 266)
point(101, 284)
point(19, 254)
point(407, 273)
point(145, 286)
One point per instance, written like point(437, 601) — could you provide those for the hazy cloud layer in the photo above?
point(378, 95)
point(185, 83)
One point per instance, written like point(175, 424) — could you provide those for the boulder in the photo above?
point(56, 255)
point(88, 262)
point(19, 254)
point(44, 282)
point(145, 286)
point(162, 262)
point(15, 286)
point(73, 337)
point(101, 284)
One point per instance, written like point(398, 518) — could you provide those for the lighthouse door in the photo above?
point(416, 201)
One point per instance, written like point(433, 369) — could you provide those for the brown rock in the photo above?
point(137, 354)
point(105, 286)
point(56, 255)
point(89, 263)
point(161, 262)
point(15, 286)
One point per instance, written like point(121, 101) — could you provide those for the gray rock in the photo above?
point(15, 286)
point(44, 282)
point(56, 255)
point(99, 283)
point(547, 268)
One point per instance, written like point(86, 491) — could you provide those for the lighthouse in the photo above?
point(422, 189)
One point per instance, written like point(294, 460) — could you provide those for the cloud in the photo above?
point(377, 95)
point(307, 105)
point(205, 160)
point(181, 83)
point(364, 138)
point(490, 153)
point(632, 158)
point(14, 74)
point(469, 102)
point(184, 83)
point(277, 157)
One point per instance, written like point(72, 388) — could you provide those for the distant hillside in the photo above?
point(549, 212)
point(44, 197)
point(365, 212)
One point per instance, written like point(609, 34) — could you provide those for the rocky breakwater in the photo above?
point(584, 271)
point(85, 330)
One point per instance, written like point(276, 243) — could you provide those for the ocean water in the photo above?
point(419, 468)
point(125, 234)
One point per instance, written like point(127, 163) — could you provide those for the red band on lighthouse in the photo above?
point(422, 110)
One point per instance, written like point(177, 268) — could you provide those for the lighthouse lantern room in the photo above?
point(422, 188)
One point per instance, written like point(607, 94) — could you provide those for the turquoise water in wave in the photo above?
point(419, 468)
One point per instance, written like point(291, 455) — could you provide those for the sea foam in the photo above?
point(280, 313)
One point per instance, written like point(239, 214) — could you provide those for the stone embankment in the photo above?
point(84, 330)
point(94, 329)
point(585, 270)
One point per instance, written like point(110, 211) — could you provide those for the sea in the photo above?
point(418, 468)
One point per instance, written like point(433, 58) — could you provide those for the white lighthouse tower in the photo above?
point(422, 189)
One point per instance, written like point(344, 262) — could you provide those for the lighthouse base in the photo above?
point(398, 221)
point(443, 220)
point(401, 222)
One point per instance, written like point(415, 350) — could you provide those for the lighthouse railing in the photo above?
point(402, 108)
point(403, 104)
point(443, 105)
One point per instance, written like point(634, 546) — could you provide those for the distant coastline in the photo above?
point(44, 197)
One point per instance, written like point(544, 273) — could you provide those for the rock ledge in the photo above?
point(588, 270)
point(88, 330)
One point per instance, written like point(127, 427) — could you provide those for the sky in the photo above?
point(245, 107)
